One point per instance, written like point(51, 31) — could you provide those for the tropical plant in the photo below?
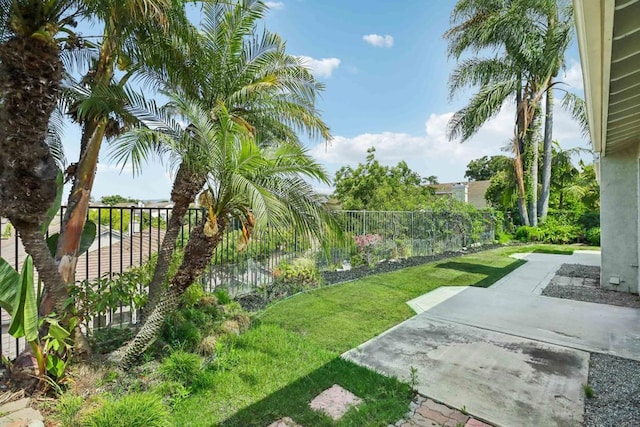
point(257, 185)
point(51, 349)
point(31, 71)
point(530, 41)
point(103, 106)
point(265, 90)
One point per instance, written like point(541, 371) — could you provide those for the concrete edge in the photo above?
point(429, 300)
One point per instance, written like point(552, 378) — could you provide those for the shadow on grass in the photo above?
point(493, 274)
point(385, 399)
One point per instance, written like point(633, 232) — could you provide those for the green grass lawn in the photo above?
point(292, 352)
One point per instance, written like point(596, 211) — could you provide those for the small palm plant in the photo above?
point(258, 185)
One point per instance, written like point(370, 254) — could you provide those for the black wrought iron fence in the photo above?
point(128, 237)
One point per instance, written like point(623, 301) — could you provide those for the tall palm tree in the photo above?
point(558, 33)
point(267, 91)
point(258, 185)
point(102, 107)
point(525, 62)
point(31, 71)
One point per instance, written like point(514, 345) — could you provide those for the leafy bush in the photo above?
point(133, 410)
point(196, 318)
point(291, 278)
point(526, 233)
point(593, 236)
point(551, 231)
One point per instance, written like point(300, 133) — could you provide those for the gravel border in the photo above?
point(615, 381)
point(254, 301)
point(616, 384)
point(587, 293)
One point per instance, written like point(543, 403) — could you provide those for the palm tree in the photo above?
point(258, 185)
point(102, 107)
point(558, 32)
point(267, 91)
point(31, 71)
point(526, 61)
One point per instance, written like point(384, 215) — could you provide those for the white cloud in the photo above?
point(377, 40)
point(433, 153)
point(275, 5)
point(573, 76)
point(321, 67)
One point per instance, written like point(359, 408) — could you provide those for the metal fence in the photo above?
point(128, 237)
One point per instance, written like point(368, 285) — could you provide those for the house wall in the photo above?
point(619, 220)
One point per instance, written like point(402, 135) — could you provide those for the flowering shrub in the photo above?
point(372, 249)
point(366, 241)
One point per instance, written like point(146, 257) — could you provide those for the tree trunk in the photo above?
point(543, 204)
point(78, 203)
point(30, 75)
point(185, 188)
point(197, 256)
point(522, 192)
point(518, 150)
point(74, 220)
point(535, 154)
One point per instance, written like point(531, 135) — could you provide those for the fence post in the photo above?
point(364, 222)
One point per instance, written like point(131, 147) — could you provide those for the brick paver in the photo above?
point(424, 412)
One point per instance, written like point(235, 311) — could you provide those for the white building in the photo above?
point(609, 39)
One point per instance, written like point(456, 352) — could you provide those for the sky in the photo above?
point(385, 68)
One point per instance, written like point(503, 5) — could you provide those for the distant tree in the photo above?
point(484, 168)
point(372, 186)
point(502, 192)
point(115, 199)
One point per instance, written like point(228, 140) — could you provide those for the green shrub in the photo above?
point(179, 332)
point(526, 233)
point(593, 236)
point(186, 327)
point(133, 410)
point(181, 367)
point(223, 296)
point(291, 278)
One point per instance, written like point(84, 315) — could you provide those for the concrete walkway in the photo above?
point(505, 354)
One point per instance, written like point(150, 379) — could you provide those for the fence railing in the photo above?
point(128, 237)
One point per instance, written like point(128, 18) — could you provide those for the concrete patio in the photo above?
point(506, 354)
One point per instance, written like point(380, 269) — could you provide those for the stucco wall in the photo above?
point(619, 220)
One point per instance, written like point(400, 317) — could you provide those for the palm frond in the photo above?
point(576, 106)
point(483, 106)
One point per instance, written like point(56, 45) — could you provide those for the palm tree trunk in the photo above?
point(185, 188)
point(518, 150)
point(197, 256)
point(543, 203)
point(30, 75)
point(78, 202)
point(535, 154)
point(74, 220)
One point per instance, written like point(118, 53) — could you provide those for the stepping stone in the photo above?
point(284, 422)
point(335, 402)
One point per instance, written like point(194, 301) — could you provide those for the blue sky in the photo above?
point(385, 68)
